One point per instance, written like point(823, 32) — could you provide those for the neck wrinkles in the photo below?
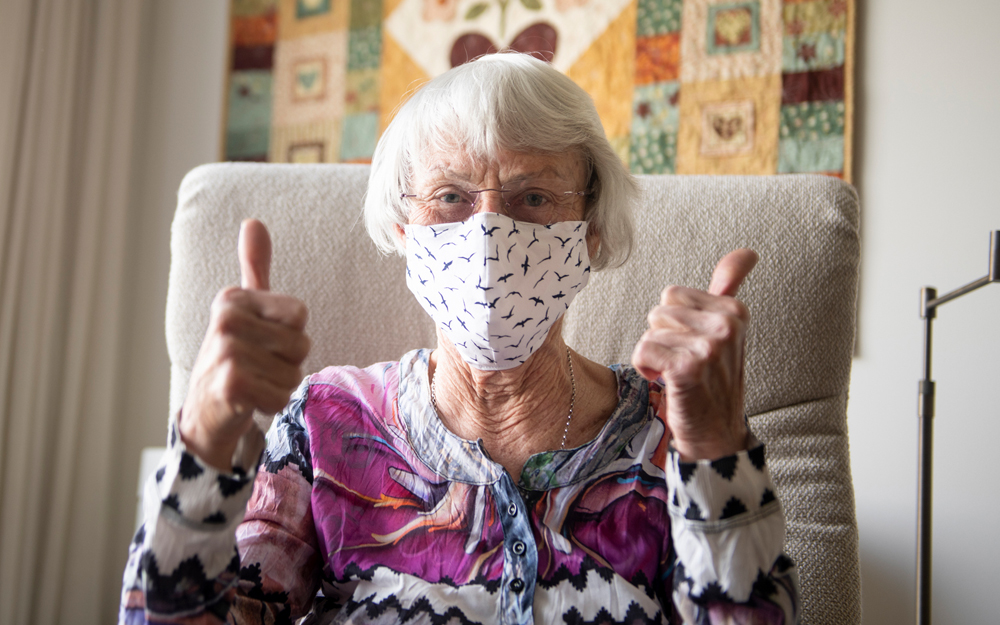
point(526, 406)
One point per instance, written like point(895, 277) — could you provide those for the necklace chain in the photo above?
point(572, 397)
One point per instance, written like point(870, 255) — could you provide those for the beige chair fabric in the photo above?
point(801, 297)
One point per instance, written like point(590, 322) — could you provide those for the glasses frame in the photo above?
point(477, 193)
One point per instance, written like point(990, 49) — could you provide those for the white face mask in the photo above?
point(494, 285)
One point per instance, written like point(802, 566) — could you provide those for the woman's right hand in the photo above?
point(250, 359)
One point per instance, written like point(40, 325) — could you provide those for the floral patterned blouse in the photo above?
point(364, 508)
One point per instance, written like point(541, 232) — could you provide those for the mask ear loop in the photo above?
point(592, 193)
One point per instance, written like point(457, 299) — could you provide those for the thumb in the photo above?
point(731, 271)
point(254, 250)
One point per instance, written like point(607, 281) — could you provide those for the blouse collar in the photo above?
point(460, 460)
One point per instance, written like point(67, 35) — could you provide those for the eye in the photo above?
point(450, 198)
point(534, 198)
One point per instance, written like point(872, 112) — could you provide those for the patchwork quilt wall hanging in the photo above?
point(682, 86)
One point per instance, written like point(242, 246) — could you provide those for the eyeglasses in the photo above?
point(533, 204)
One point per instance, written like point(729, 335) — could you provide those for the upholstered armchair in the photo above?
point(801, 297)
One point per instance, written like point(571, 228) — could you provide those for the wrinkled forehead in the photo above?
point(456, 164)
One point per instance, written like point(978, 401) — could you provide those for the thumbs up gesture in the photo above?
point(250, 358)
point(695, 345)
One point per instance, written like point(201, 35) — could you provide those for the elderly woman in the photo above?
point(501, 477)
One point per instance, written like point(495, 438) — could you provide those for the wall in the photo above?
point(926, 148)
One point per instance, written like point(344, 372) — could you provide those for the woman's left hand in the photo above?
point(695, 345)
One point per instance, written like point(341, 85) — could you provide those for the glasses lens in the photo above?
point(535, 202)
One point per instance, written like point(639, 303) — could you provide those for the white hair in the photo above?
point(502, 102)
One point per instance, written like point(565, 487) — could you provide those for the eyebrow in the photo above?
point(547, 170)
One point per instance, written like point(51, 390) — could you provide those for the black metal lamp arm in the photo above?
point(929, 301)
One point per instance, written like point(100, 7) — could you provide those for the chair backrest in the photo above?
point(801, 297)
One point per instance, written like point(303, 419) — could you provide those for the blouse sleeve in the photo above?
point(216, 544)
point(728, 533)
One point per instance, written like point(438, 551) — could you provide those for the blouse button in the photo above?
point(516, 584)
point(512, 510)
point(519, 548)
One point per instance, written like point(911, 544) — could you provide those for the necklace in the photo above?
point(572, 397)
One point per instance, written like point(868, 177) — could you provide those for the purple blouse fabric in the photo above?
point(366, 509)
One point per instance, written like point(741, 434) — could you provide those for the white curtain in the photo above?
point(68, 92)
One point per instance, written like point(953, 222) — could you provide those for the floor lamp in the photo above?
point(929, 301)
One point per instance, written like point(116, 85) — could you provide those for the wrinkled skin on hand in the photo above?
point(250, 358)
point(695, 345)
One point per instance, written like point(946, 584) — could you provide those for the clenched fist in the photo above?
point(250, 358)
point(695, 345)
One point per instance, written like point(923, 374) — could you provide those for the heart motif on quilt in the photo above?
point(727, 128)
point(539, 40)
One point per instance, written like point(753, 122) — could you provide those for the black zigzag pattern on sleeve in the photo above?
point(634, 616)
point(173, 502)
point(391, 610)
point(693, 513)
point(767, 497)
point(253, 584)
point(756, 456)
point(680, 575)
point(229, 486)
point(733, 508)
point(577, 580)
point(189, 467)
point(639, 580)
point(216, 518)
point(186, 589)
point(726, 467)
point(712, 593)
point(764, 586)
point(687, 470)
point(783, 563)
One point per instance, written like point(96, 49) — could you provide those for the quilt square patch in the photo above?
point(362, 91)
point(360, 136)
point(251, 8)
point(311, 8)
point(727, 128)
point(733, 28)
point(657, 58)
point(249, 119)
point(308, 152)
point(253, 57)
point(364, 48)
point(812, 51)
point(730, 40)
point(315, 142)
point(309, 82)
point(653, 137)
point(255, 30)
point(658, 17)
point(812, 137)
point(816, 16)
point(302, 18)
point(814, 86)
point(310, 79)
